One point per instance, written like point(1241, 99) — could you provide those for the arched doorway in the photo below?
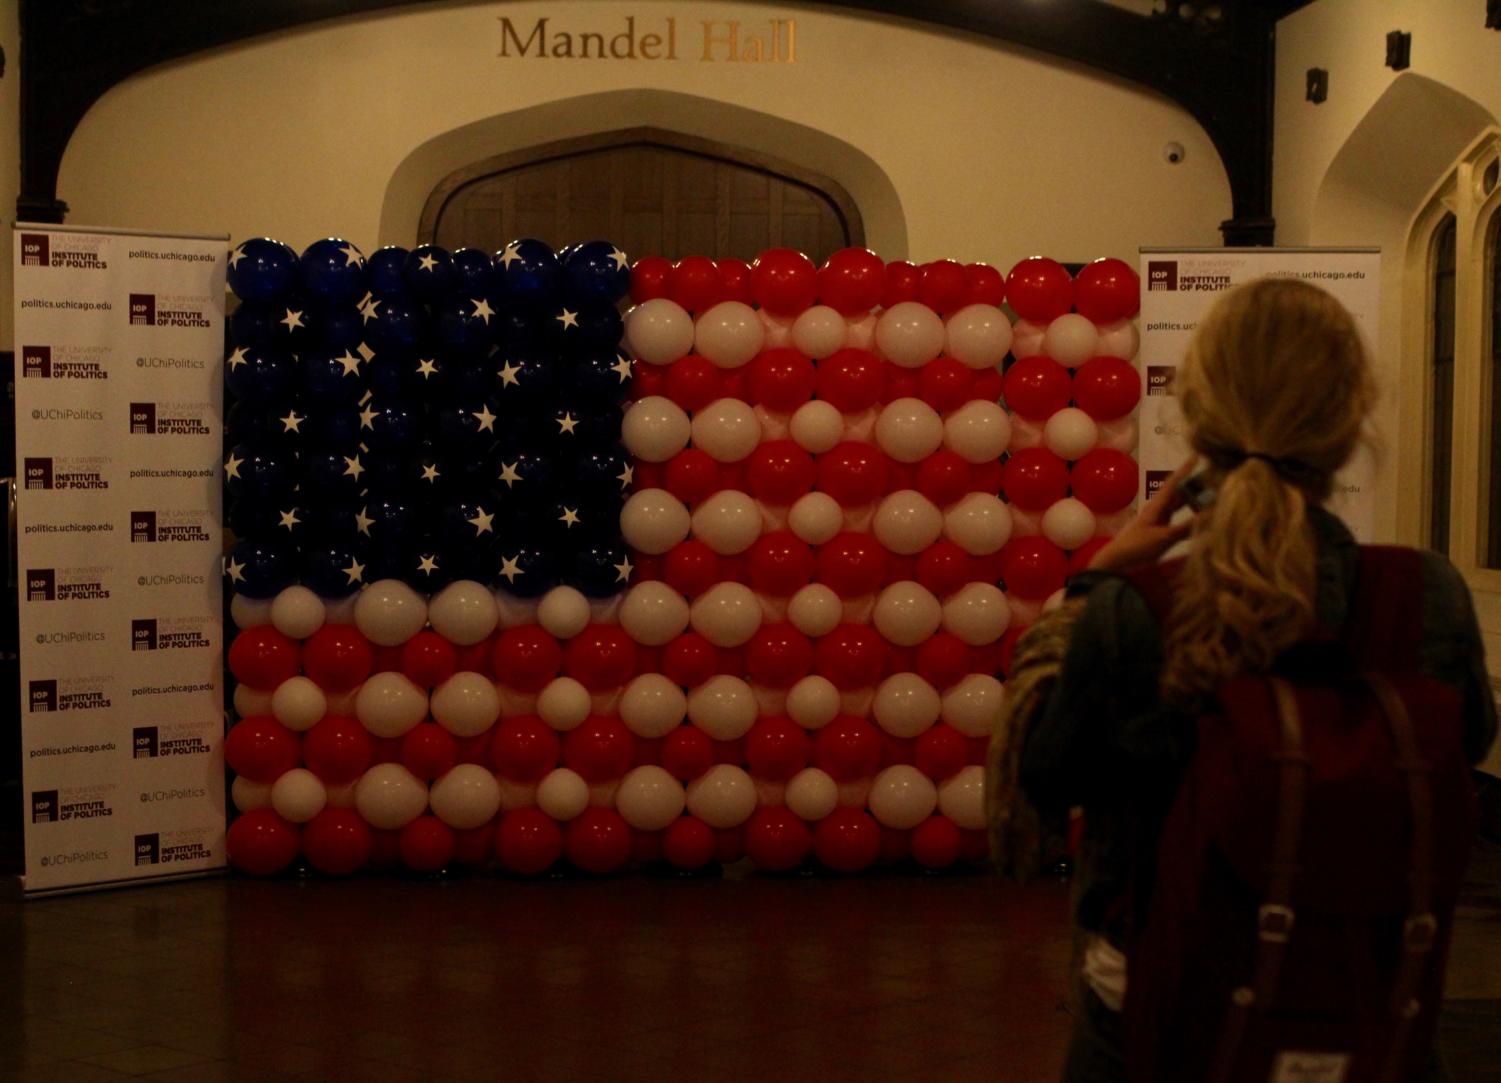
point(648, 190)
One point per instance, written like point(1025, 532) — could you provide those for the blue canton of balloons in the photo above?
point(426, 415)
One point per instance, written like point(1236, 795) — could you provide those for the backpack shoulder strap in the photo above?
point(1384, 626)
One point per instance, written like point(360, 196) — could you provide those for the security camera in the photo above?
point(1173, 153)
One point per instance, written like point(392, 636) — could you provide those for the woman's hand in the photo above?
point(1147, 536)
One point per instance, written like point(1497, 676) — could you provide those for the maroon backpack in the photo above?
point(1307, 873)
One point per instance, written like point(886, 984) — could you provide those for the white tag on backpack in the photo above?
point(1303, 1066)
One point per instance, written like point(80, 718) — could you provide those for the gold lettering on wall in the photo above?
point(770, 41)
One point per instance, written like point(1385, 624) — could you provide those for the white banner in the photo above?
point(1180, 285)
point(119, 423)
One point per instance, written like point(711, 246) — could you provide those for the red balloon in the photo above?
point(337, 657)
point(736, 276)
point(385, 659)
point(852, 656)
point(428, 659)
point(691, 475)
point(778, 472)
point(942, 659)
point(526, 658)
point(940, 752)
point(646, 847)
point(473, 846)
point(851, 281)
point(974, 844)
point(896, 846)
point(987, 477)
point(475, 749)
point(1079, 559)
point(695, 284)
point(385, 750)
point(778, 563)
point(599, 749)
point(1040, 289)
point(944, 287)
point(851, 564)
point(1037, 387)
point(477, 657)
point(943, 477)
point(848, 748)
point(687, 753)
point(385, 850)
point(784, 281)
point(987, 286)
point(729, 845)
point(261, 843)
point(853, 473)
point(1107, 290)
point(689, 843)
point(528, 841)
point(648, 379)
point(649, 278)
point(776, 840)
point(777, 748)
point(1033, 567)
point(901, 383)
point(1106, 388)
point(943, 568)
point(524, 748)
point(897, 750)
point(261, 749)
point(337, 842)
point(848, 840)
point(427, 843)
point(851, 380)
point(780, 379)
point(778, 655)
point(936, 843)
point(732, 752)
point(691, 567)
point(693, 382)
point(262, 657)
point(987, 386)
point(903, 280)
point(1035, 479)
point(601, 657)
point(428, 750)
point(337, 749)
point(598, 841)
point(944, 383)
point(689, 660)
point(1105, 480)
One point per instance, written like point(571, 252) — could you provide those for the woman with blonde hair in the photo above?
point(1275, 393)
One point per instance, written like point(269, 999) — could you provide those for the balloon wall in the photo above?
point(520, 582)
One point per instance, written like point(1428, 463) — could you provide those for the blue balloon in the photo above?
point(465, 428)
point(332, 474)
point(397, 325)
point(576, 424)
point(259, 569)
point(425, 568)
point(280, 521)
point(341, 327)
point(293, 324)
point(469, 559)
point(330, 521)
point(464, 325)
point(520, 327)
point(474, 273)
point(386, 521)
point(260, 471)
point(588, 327)
point(390, 376)
point(334, 570)
point(429, 479)
point(529, 272)
point(429, 272)
point(596, 271)
point(253, 323)
point(526, 476)
point(527, 569)
point(261, 269)
point(464, 378)
point(602, 568)
point(259, 376)
point(390, 424)
point(602, 375)
point(244, 423)
point(332, 379)
point(332, 271)
point(524, 379)
point(333, 427)
point(603, 473)
point(385, 271)
point(469, 520)
point(388, 474)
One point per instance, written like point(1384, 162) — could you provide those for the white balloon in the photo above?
point(727, 430)
point(563, 612)
point(654, 429)
point(977, 614)
point(724, 707)
point(564, 703)
point(979, 523)
point(652, 706)
point(297, 612)
point(909, 334)
point(978, 336)
point(727, 614)
point(1026, 339)
point(298, 704)
point(906, 522)
point(388, 704)
point(906, 613)
point(817, 426)
point(815, 610)
point(978, 431)
point(973, 706)
point(464, 612)
point(729, 334)
point(251, 701)
point(812, 794)
point(815, 518)
point(658, 331)
point(1070, 340)
point(388, 797)
point(653, 521)
point(466, 704)
point(248, 795)
point(388, 612)
point(298, 795)
point(652, 613)
point(1070, 433)
point(1068, 523)
point(722, 797)
point(813, 702)
point(728, 522)
point(905, 705)
point(250, 612)
point(962, 798)
point(1119, 339)
point(649, 799)
point(901, 797)
point(909, 430)
point(465, 796)
point(819, 332)
point(562, 794)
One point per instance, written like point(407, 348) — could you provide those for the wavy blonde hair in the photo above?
point(1275, 369)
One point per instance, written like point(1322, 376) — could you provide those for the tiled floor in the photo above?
point(885, 978)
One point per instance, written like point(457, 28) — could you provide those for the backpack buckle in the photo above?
point(1418, 932)
point(1274, 923)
